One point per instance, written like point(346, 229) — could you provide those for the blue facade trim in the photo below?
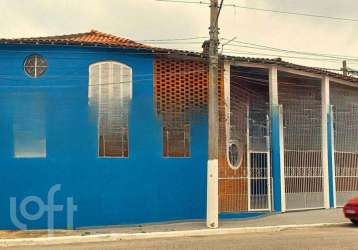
point(331, 158)
point(143, 188)
point(276, 157)
point(243, 215)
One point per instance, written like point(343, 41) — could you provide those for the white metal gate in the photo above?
point(303, 156)
point(258, 161)
point(346, 153)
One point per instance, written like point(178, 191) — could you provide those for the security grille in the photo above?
point(35, 66)
point(259, 161)
point(302, 132)
point(346, 154)
point(245, 178)
point(176, 135)
point(303, 157)
point(110, 92)
point(345, 120)
point(180, 96)
point(233, 180)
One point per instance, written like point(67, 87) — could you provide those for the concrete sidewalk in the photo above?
point(312, 217)
point(271, 223)
point(330, 216)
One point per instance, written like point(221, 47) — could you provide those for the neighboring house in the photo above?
point(122, 127)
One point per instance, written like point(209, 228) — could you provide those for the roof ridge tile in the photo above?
point(93, 36)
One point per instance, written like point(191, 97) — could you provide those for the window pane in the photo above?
point(176, 141)
point(35, 65)
point(109, 94)
point(29, 128)
point(30, 62)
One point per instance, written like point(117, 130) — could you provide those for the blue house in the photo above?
point(78, 110)
point(100, 130)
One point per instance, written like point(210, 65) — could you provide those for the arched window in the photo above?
point(110, 93)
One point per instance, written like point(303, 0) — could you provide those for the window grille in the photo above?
point(35, 66)
point(110, 93)
point(345, 120)
point(176, 141)
point(180, 95)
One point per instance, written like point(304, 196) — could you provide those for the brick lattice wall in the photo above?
point(181, 91)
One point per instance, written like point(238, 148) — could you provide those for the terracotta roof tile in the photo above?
point(93, 37)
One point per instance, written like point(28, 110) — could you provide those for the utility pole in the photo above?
point(212, 217)
point(345, 69)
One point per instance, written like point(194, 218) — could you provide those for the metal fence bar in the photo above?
point(345, 120)
point(248, 155)
point(346, 154)
point(302, 129)
point(258, 163)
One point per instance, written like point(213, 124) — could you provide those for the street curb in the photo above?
point(152, 235)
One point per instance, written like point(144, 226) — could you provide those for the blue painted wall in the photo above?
point(145, 187)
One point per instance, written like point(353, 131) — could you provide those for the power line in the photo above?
point(285, 50)
point(319, 56)
point(182, 41)
point(169, 42)
point(148, 51)
point(71, 86)
point(186, 2)
point(325, 57)
point(217, 16)
point(174, 39)
point(230, 51)
point(264, 47)
point(297, 13)
point(293, 77)
point(73, 76)
point(266, 10)
point(186, 41)
point(280, 55)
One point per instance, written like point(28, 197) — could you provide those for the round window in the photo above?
point(35, 65)
point(234, 155)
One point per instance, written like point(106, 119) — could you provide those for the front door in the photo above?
point(258, 164)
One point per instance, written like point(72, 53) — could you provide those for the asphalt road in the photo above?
point(340, 237)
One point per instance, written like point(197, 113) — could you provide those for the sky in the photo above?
point(150, 19)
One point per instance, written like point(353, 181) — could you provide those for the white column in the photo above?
point(325, 110)
point(273, 86)
point(227, 97)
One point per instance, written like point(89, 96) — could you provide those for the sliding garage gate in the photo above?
point(346, 153)
point(303, 172)
point(345, 122)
